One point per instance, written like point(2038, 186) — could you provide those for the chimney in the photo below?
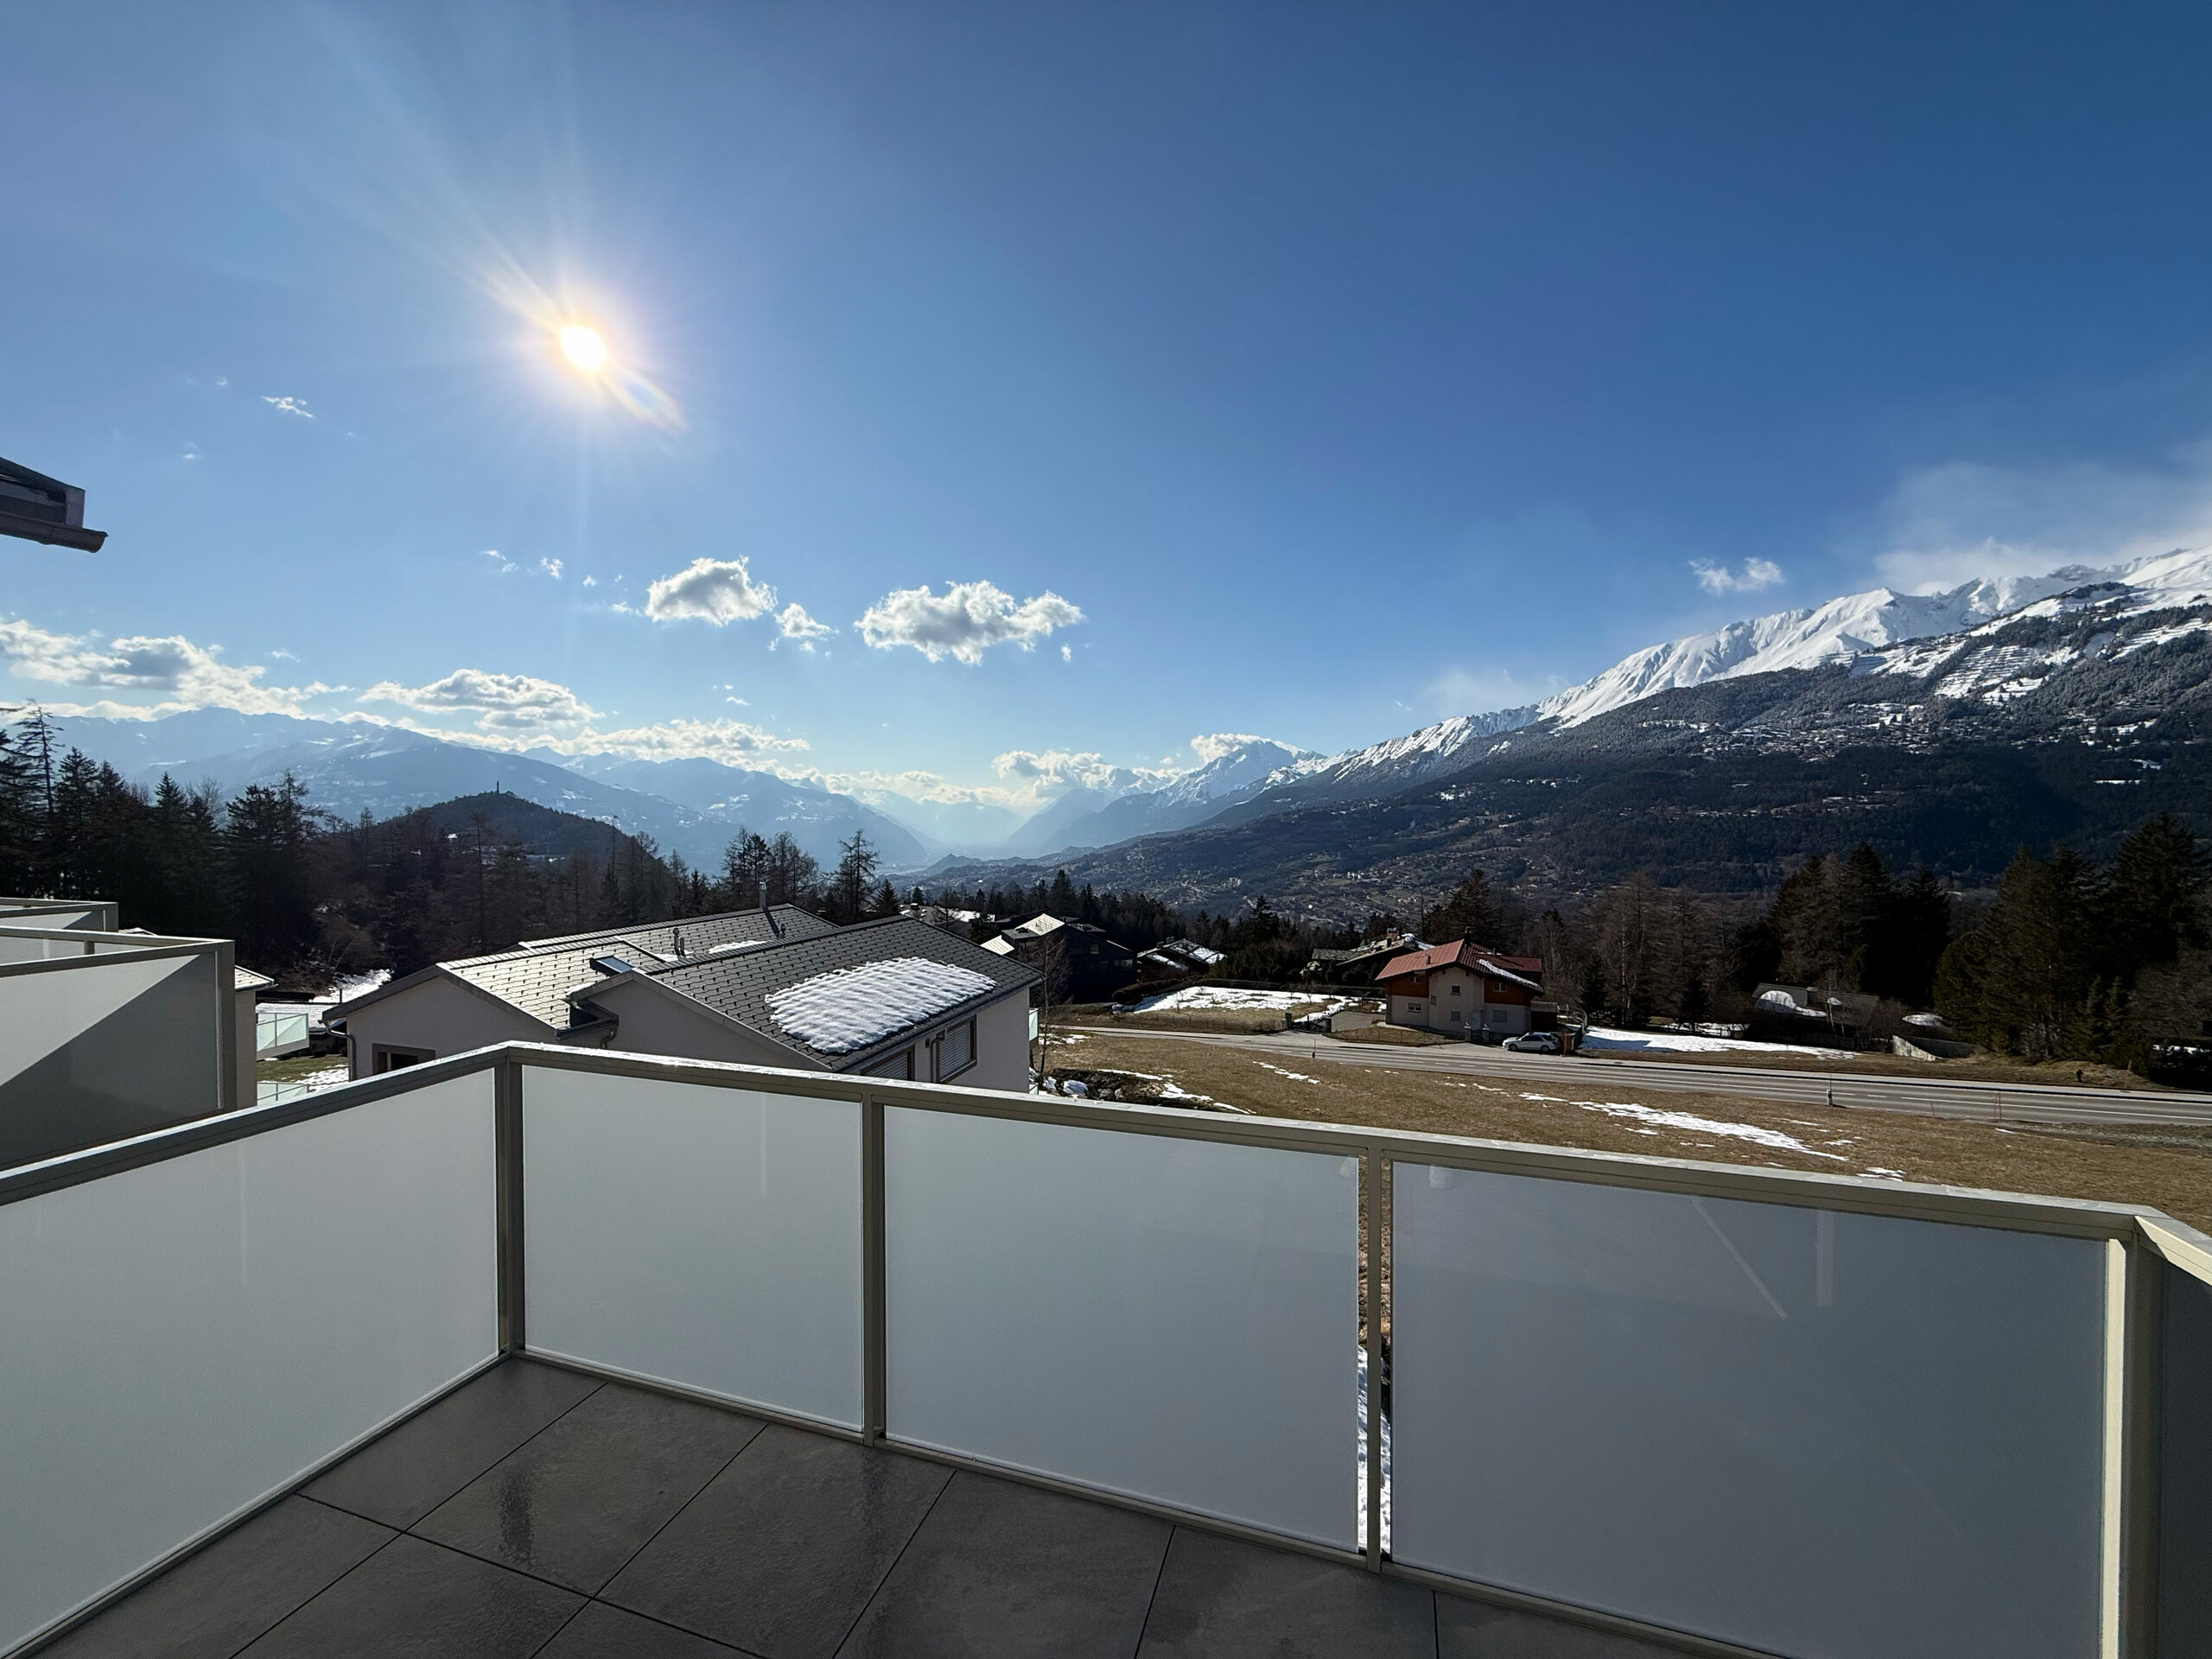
point(768, 914)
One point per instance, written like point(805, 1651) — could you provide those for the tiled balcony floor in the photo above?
point(537, 1511)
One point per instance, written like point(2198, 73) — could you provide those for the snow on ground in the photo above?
point(353, 985)
point(1230, 996)
point(1598, 1040)
point(847, 1010)
point(1691, 1123)
point(1295, 1076)
point(303, 1083)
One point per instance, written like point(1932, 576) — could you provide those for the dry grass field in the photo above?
point(2168, 1168)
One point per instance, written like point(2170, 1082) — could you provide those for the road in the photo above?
point(2031, 1102)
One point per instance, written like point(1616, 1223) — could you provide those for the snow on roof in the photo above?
point(847, 1010)
point(1491, 967)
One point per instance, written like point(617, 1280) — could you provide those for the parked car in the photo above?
point(1534, 1042)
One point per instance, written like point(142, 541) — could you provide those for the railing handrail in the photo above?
point(2172, 1240)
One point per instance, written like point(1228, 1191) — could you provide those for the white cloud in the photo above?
point(591, 582)
point(551, 567)
point(501, 703)
point(969, 618)
point(720, 591)
point(1948, 525)
point(1757, 573)
point(732, 741)
point(194, 675)
point(796, 624)
point(793, 623)
point(1067, 653)
point(289, 406)
point(1211, 745)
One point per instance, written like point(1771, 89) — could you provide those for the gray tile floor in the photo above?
point(537, 1511)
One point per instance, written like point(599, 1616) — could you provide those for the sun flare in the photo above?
point(583, 347)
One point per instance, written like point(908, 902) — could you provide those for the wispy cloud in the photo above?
point(720, 591)
point(966, 621)
point(1947, 525)
point(1754, 575)
point(289, 406)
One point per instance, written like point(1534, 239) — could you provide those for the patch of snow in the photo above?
point(1691, 1123)
point(849, 1008)
point(353, 985)
point(1295, 1076)
point(1884, 1174)
point(1229, 996)
point(1599, 1040)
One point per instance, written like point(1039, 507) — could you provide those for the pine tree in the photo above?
point(853, 883)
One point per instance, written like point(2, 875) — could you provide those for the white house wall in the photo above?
point(1001, 1046)
point(441, 1015)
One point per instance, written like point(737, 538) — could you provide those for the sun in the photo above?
point(583, 347)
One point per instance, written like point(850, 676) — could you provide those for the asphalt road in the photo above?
point(2032, 1102)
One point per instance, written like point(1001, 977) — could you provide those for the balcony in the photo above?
point(540, 1350)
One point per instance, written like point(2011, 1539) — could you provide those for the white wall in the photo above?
point(244, 1020)
point(654, 1020)
point(1001, 1046)
point(441, 1015)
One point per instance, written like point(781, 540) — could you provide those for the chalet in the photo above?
point(1083, 961)
point(895, 998)
point(1463, 989)
point(1358, 964)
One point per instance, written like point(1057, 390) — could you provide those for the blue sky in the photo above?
point(1314, 371)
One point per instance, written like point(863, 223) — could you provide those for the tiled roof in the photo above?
point(245, 978)
point(738, 984)
point(1465, 953)
point(701, 933)
point(537, 981)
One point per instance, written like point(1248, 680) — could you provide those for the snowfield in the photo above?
point(1191, 997)
point(1598, 1040)
point(839, 1012)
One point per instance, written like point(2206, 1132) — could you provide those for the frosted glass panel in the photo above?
point(705, 1237)
point(2185, 1469)
point(179, 1340)
point(103, 1050)
point(1812, 1433)
point(1171, 1319)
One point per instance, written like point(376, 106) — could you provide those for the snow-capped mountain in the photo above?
point(1856, 629)
point(1239, 766)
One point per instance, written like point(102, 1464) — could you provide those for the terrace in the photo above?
point(536, 1351)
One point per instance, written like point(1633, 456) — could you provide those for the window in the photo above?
point(1455, 989)
point(956, 1051)
point(1455, 1016)
point(384, 1058)
point(900, 1064)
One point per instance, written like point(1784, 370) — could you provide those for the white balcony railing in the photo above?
point(1769, 1411)
point(105, 1035)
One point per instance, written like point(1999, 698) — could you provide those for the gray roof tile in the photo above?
point(701, 933)
point(738, 984)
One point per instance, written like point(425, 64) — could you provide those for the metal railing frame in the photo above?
point(2141, 1239)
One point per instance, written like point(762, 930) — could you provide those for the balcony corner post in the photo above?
point(874, 1373)
point(2142, 1405)
point(506, 1074)
point(1375, 1303)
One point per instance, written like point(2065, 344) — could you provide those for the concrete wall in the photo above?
point(441, 1015)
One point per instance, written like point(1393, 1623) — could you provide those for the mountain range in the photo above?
point(692, 807)
point(1948, 728)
